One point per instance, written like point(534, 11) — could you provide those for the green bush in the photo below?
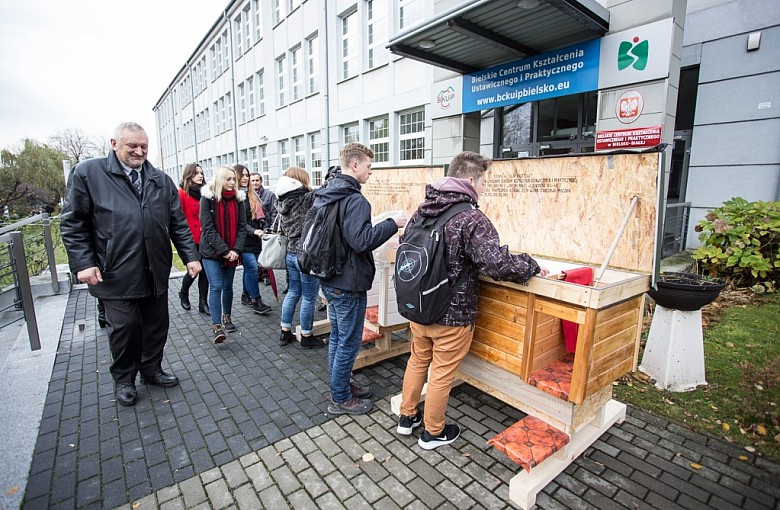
point(742, 243)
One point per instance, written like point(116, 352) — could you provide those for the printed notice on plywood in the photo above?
point(571, 208)
point(396, 189)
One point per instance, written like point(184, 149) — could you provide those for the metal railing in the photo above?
point(676, 228)
point(22, 246)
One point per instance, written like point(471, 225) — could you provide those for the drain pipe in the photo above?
point(326, 90)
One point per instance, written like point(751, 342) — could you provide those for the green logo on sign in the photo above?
point(633, 54)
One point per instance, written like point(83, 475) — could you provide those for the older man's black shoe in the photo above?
point(125, 394)
point(161, 379)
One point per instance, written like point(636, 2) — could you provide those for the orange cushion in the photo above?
point(555, 378)
point(372, 314)
point(530, 441)
point(370, 336)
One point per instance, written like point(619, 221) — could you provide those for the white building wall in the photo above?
point(387, 90)
point(735, 149)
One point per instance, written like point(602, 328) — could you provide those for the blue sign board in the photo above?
point(562, 72)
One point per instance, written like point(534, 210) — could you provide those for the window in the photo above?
point(252, 161)
point(315, 158)
point(260, 93)
point(300, 151)
point(349, 45)
point(257, 10)
point(243, 157)
point(281, 70)
point(216, 117)
point(351, 133)
point(250, 97)
point(312, 64)
point(412, 136)
point(377, 33)
point(241, 103)
point(292, 5)
point(263, 156)
point(296, 73)
point(277, 11)
point(284, 155)
point(237, 32)
point(214, 62)
point(229, 108)
point(409, 11)
point(246, 21)
point(379, 139)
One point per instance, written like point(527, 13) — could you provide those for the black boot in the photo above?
point(203, 307)
point(101, 314)
point(286, 337)
point(185, 300)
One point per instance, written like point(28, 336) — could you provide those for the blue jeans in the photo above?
point(299, 286)
point(346, 311)
point(220, 288)
point(251, 286)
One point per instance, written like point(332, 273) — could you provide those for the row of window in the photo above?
point(300, 69)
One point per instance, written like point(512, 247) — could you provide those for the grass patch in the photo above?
point(742, 362)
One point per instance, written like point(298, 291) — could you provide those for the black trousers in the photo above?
point(137, 332)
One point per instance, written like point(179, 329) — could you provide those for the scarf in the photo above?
point(226, 221)
point(194, 191)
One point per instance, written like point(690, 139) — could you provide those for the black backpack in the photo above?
point(321, 252)
point(421, 284)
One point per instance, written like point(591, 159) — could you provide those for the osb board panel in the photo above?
point(394, 189)
point(571, 208)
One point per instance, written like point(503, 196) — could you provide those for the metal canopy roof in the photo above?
point(478, 34)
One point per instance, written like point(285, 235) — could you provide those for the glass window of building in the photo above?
point(412, 136)
point(253, 163)
point(351, 133)
point(257, 10)
point(229, 108)
point(260, 93)
point(262, 154)
point(246, 28)
point(277, 11)
point(349, 45)
point(379, 139)
point(292, 5)
point(226, 51)
point(315, 158)
point(409, 12)
point(281, 71)
point(238, 35)
point(241, 103)
point(296, 73)
point(313, 65)
point(216, 117)
point(250, 97)
point(284, 155)
point(299, 150)
point(377, 32)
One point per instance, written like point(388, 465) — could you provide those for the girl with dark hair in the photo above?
point(189, 196)
point(255, 220)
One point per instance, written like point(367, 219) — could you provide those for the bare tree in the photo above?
point(76, 145)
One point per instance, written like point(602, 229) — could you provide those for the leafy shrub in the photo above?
point(742, 242)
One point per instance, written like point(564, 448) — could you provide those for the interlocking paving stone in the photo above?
point(247, 428)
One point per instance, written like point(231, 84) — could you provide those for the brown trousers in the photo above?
point(442, 348)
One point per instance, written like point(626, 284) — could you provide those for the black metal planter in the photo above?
point(685, 291)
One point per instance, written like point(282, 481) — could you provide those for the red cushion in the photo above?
point(530, 441)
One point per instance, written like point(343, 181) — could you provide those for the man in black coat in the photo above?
point(117, 226)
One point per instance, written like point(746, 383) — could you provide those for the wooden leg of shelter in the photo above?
point(384, 347)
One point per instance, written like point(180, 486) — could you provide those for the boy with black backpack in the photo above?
point(345, 284)
point(471, 246)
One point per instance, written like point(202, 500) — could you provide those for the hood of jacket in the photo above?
point(340, 187)
point(207, 191)
point(286, 185)
point(445, 192)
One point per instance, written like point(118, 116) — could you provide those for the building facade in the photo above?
point(276, 83)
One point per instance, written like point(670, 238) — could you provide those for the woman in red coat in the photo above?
point(189, 196)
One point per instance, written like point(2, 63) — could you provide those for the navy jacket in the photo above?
point(360, 237)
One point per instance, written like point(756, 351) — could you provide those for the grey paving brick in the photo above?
point(246, 498)
point(219, 495)
point(174, 504)
point(329, 502)
point(348, 467)
point(340, 486)
point(168, 493)
point(272, 498)
point(193, 492)
point(259, 475)
point(286, 480)
point(454, 495)
point(718, 491)
point(234, 474)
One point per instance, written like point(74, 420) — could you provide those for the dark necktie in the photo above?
point(134, 178)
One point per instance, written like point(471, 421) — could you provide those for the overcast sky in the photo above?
point(91, 64)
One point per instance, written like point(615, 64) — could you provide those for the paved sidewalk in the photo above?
point(247, 428)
